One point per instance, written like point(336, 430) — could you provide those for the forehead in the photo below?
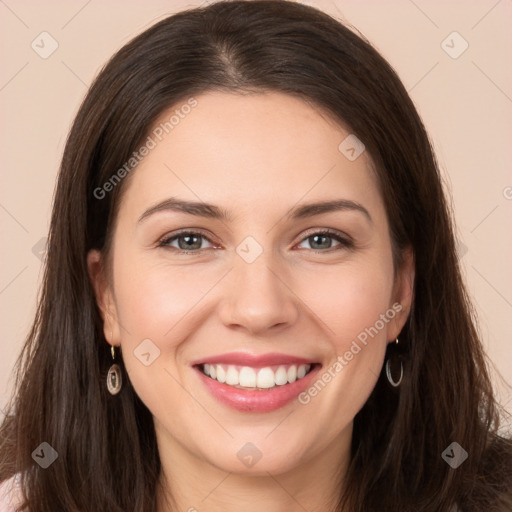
point(257, 152)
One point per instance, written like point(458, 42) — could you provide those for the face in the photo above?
point(288, 307)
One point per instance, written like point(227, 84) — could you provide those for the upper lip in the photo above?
point(245, 359)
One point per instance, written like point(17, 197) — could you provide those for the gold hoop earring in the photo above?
point(389, 376)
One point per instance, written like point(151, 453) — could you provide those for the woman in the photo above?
point(194, 348)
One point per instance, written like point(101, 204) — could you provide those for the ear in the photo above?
point(104, 296)
point(403, 292)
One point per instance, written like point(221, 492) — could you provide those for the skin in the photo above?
point(257, 156)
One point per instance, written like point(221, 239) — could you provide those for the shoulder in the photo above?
point(10, 494)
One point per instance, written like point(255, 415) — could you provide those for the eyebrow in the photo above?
point(212, 211)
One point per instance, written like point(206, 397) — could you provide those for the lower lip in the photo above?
point(264, 400)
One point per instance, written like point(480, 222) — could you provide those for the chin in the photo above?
point(257, 457)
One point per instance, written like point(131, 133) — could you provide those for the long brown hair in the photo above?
point(107, 452)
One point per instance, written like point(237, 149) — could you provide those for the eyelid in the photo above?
point(326, 231)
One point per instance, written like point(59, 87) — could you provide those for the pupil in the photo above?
point(316, 237)
point(188, 244)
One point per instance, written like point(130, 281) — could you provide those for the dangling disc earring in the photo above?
point(114, 377)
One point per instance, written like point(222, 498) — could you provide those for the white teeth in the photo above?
point(221, 374)
point(266, 378)
point(232, 376)
point(263, 378)
point(292, 374)
point(281, 376)
point(247, 377)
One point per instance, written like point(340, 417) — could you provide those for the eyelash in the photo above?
point(344, 242)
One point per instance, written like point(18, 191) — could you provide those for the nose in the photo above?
point(258, 297)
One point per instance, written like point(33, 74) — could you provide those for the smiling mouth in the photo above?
point(250, 378)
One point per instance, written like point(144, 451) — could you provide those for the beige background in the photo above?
point(465, 102)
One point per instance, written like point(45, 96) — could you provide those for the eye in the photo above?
point(323, 240)
point(188, 242)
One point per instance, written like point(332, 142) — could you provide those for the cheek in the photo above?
point(354, 309)
point(163, 304)
point(349, 299)
point(155, 299)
